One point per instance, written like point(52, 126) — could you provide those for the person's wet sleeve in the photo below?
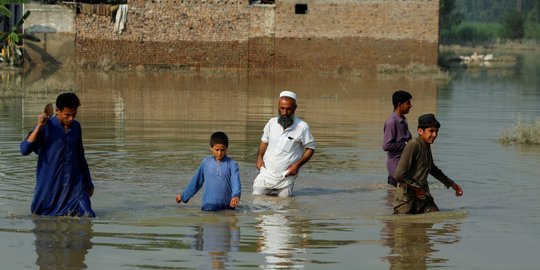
point(85, 171)
point(236, 185)
point(439, 175)
point(27, 147)
point(194, 185)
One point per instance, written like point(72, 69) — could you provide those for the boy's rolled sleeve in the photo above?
point(307, 139)
point(265, 137)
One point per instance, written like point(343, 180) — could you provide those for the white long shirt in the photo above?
point(285, 147)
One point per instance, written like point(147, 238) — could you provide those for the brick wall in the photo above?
point(343, 35)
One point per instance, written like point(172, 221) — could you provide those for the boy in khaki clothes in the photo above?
point(412, 193)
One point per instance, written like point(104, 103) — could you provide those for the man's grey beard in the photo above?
point(286, 121)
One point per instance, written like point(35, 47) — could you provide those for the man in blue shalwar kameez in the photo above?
point(63, 182)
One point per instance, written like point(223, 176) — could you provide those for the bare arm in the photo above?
point(293, 169)
point(262, 149)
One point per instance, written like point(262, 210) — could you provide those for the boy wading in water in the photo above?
point(219, 174)
point(396, 132)
point(412, 192)
point(63, 182)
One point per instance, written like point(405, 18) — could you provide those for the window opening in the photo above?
point(300, 9)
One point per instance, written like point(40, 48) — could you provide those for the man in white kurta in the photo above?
point(286, 145)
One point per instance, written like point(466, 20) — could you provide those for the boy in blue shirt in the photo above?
point(220, 176)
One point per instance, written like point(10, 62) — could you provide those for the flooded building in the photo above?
point(344, 36)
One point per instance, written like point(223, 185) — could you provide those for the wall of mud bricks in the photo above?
point(331, 35)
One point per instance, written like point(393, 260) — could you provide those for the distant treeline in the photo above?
point(489, 20)
point(492, 11)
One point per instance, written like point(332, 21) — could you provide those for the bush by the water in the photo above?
point(477, 32)
point(522, 133)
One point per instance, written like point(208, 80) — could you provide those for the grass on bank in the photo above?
point(521, 133)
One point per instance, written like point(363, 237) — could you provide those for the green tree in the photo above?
point(513, 25)
point(532, 24)
point(492, 11)
point(449, 18)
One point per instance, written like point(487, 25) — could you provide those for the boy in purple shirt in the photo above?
point(220, 176)
point(396, 132)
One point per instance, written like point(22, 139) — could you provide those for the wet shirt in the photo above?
point(221, 181)
point(415, 165)
point(285, 147)
point(62, 174)
point(396, 133)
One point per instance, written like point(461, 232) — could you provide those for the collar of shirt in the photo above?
point(399, 118)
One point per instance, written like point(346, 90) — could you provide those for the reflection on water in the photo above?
point(275, 241)
point(412, 240)
point(218, 239)
point(281, 240)
point(62, 243)
point(145, 134)
point(413, 243)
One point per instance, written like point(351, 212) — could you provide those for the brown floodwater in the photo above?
point(146, 132)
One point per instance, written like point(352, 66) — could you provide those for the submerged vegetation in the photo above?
point(521, 133)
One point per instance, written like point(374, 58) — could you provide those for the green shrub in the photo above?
point(514, 25)
point(532, 24)
point(477, 32)
point(532, 31)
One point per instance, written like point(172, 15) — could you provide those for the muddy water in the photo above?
point(145, 134)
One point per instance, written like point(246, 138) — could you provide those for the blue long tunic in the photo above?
point(221, 180)
point(62, 174)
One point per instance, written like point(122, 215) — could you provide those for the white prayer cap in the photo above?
point(288, 94)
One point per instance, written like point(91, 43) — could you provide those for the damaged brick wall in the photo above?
point(344, 35)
